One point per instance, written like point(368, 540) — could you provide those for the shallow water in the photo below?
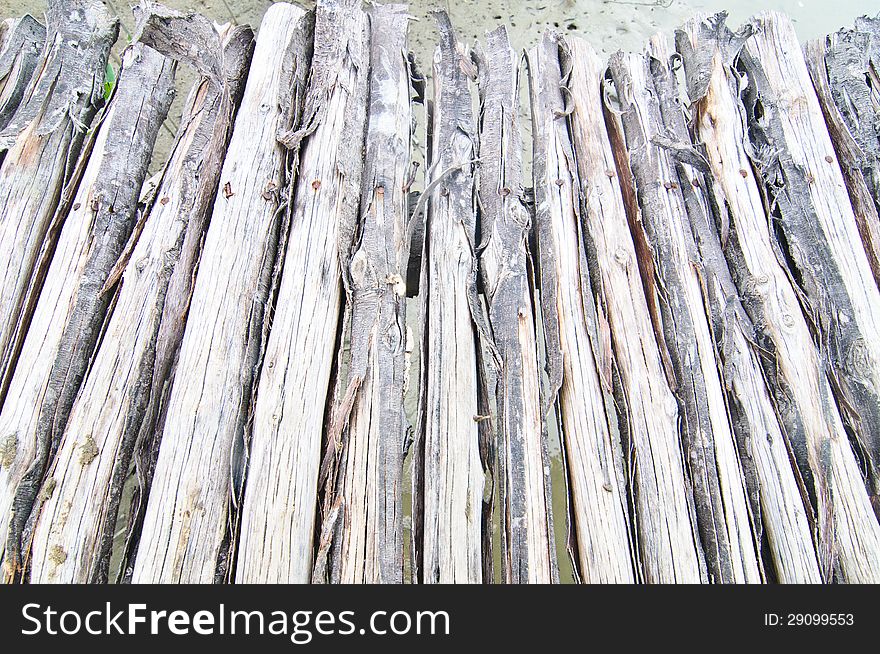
point(609, 25)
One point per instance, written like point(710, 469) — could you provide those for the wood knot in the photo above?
point(227, 190)
point(505, 192)
point(610, 174)
point(164, 201)
point(316, 184)
point(829, 158)
point(269, 191)
point(744, 173)
point(559, 182)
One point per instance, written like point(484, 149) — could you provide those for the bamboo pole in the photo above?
point(529, 552)
point(43, 139)
point(22, 43)
point(184, 536)
point(280, 498)
point(451, 468)
point(818, 230)
point(370, 537)
point(668, 548)
point(79, 291)
point(795, 372)
point(127, 377)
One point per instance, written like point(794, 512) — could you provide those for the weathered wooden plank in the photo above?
point(451, 468)
point(761, 437)
point(795, 373)
point(120, 397)
point(845, 68)
point(43, 139)
point(23, 41)
point(818, 230)
point(710, 453)
point(574, 351)
point(668, 546)
point(528, 552)
point(69, 317)
point(369, 541)
point(185, 524)
point(280, 498)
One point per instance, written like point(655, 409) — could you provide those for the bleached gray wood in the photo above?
point(575, 352)
point(185, 523)
point(528, 554)
point(451, 466)
point(69, 317)
point(841, 65)
point(22, 43)
point(762, 439)
point(819, 231)
point(43, 139)
point(280, 498)
point(795, 373)
point(720, 496)
point(668, 547)
point(120, 397)
point(370, 535)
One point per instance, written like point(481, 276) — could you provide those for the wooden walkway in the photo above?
point(205, 373)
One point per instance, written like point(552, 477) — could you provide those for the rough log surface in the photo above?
point(708, 48)
point(22, 43)
point(667, 545)
point(184, 535)
point(452, 474)
point(43, 139)
point(817, 230)
point(79, 291)
point(370, 535)
point(126, 381)
point(714, 469)
point(280, 498)
point(795, 372)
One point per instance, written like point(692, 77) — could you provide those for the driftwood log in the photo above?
point(120, 397)
point(21, 43)
point(577, 358)
point(667, 543)
point(369, 537)
point(528, 551)
point(79, 291)
point(451, 466)
point(43, 140)
point(794, 370)
point(280, 497)
point(714, 469)
point(185, 531)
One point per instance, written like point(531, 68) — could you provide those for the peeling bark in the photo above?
point(795, 372)
point(198, 471)
point(121, 395)
point(720, 496)
point(70, 316)
point(43, 139)
point(22, 43)
point(528, 553)
point(817, 233)
point(280, 498)
point(370, 486)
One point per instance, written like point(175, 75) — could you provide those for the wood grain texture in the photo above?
point(185, 525)
point(668, 547)
point(528, 551)
point(43, 139)
point(127, 379)
point(22, 44)
point(280, 498)
point(708, 49)
point(795, 371)
point(451, 464)
point(70, 315)
point(369, 541)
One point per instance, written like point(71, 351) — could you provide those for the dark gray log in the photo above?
point(23, 42)
point(528, 554)
point(109, 210)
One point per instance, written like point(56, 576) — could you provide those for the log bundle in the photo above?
point(207, 376)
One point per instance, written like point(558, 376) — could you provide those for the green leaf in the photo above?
point(109, 81)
